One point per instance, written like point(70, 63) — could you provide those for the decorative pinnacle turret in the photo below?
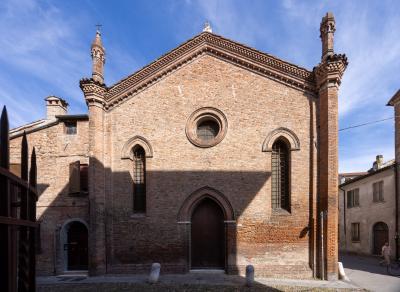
point(207, 27)
point(98, 58)
point(327, 30)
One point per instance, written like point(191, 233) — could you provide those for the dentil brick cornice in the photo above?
point(210, 44)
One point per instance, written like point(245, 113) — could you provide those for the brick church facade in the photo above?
point(214, 156)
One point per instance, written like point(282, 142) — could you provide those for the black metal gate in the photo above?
point(18, 196)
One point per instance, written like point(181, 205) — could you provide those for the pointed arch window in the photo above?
point(139, 179)
point(280, 176)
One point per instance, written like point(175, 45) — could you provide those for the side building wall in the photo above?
point(55, 152)
point(368, 213)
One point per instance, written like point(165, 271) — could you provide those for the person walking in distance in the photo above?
point(386, 250)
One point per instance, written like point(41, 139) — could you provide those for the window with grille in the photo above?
point(70, 128)
point(353, 198)
point(207, 130)
point(280, 176)
point(377, 189)
point(355, 231)
point(139, 180)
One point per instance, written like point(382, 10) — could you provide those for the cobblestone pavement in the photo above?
point(187, 282)
point(366, 272)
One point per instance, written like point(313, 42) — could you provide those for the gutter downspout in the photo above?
point(344, 216)
point(396, 185)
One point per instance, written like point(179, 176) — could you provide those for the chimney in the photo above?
point(378, 162)
point(55, 106)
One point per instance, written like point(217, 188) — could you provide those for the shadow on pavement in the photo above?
point(366, 263)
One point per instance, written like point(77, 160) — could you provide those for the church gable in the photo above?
point(216, 46)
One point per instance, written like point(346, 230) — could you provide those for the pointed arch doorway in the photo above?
point(207, 236)
point(208, 225)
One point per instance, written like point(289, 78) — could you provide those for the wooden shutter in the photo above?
point(380, 190)
point(349, 199)
point(375, 191)
point(356, 197)
point(84, 178)
point(74, 177)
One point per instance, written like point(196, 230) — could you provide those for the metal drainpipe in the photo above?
point(396, 185)
point(55, 251)
point(344, 215)
point(322, 246)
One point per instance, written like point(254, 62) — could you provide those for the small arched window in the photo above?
point(139, 180)
point(280, 176)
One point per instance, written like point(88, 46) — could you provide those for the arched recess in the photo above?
point(64, 239)
point(289, 135)
point(136, 140)
point(380, 235)
point(185, 212)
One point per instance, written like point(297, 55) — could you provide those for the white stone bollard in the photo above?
point(342, 274)
point(154, 273)
point(249, 275)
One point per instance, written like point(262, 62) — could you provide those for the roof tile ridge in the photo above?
point(263, 53)
point(208, 38)
point(25, 126)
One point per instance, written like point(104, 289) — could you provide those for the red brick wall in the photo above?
point(254, 106)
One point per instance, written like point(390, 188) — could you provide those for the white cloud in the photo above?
point(43, 45)
point(228, 18)
point(374, 57)
point(364, 159)
point(38, 42)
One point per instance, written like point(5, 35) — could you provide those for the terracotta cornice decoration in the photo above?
point(220, 47)
point(331, 70)
point(93, 90)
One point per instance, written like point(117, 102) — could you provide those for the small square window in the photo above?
point(355, 232)
point(70, 128)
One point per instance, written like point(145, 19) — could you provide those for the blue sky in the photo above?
point(45, 49)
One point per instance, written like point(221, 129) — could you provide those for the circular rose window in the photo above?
point(206, 127)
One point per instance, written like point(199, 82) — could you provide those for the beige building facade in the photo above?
point(367, 205)
point(214, 156)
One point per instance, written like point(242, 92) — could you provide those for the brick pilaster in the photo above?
point(94, 95)
point(328, 74)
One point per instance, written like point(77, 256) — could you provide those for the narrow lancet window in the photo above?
point(139, 180)
point(280, 176)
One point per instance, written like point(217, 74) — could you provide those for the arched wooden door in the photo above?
point(77, 245)
point(381, 235)
point(207, 236)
